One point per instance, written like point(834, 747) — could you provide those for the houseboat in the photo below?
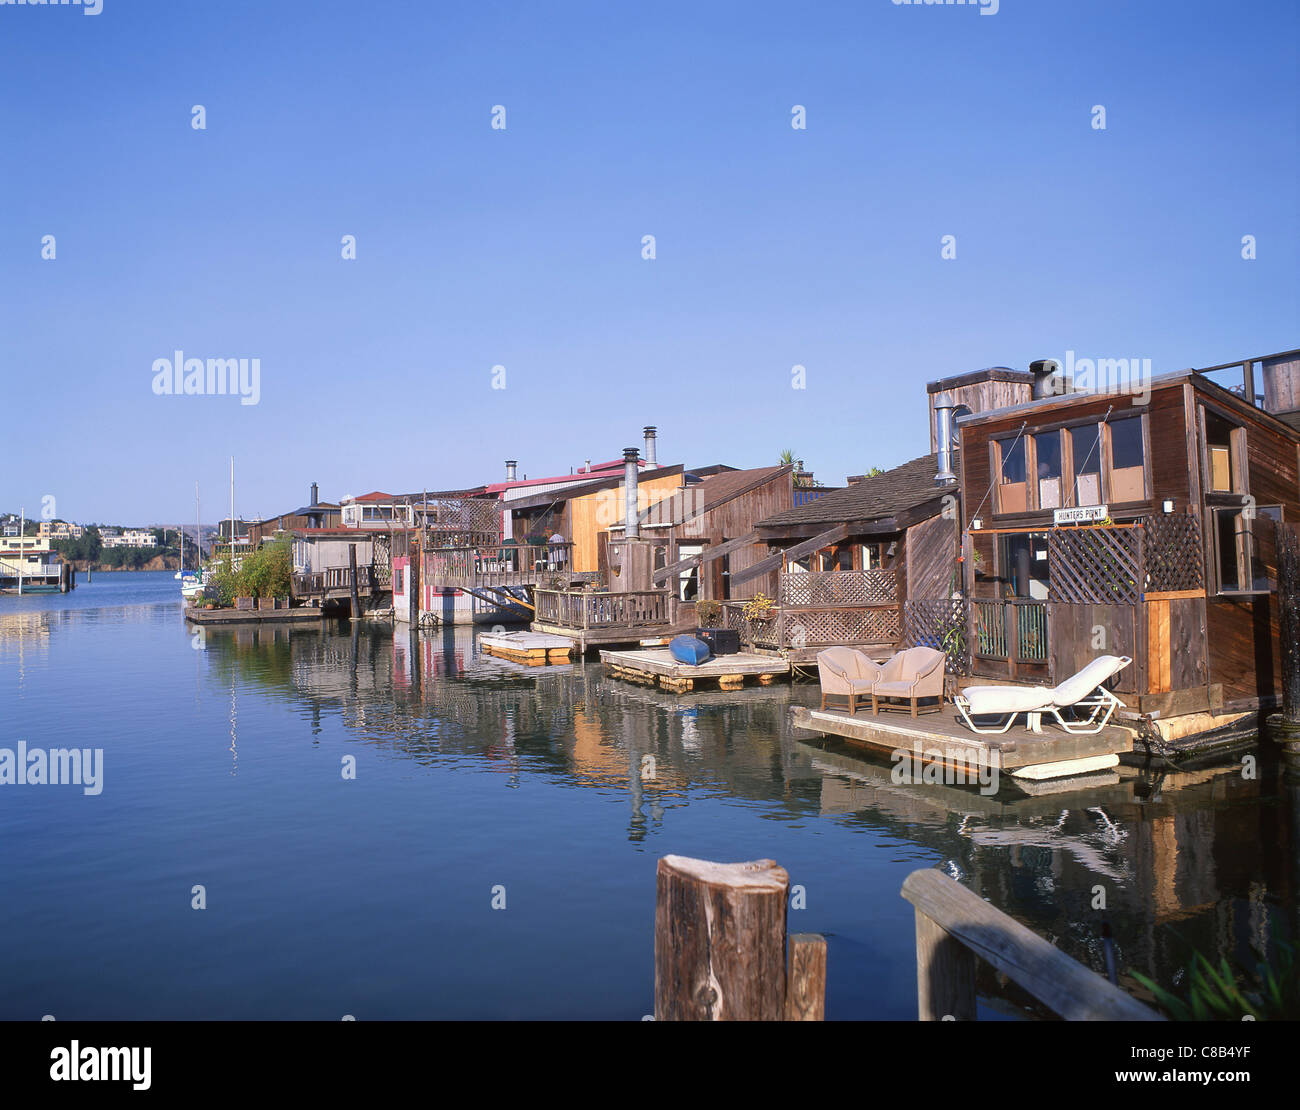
point(28, 565)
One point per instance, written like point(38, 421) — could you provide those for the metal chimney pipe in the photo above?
point(943, 406)
point(1048, 381)
point(315, 496)
point(511, 464)
point(631, 528)
point(650, 434)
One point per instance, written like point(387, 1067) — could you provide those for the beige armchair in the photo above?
point(845, 673)
point(910, 676)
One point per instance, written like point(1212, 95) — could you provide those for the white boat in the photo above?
point(193, 581)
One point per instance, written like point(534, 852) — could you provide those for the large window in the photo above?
point(1013, 489)
point(1085, 449)
point(1047, 460)
point(1070, 466)
point(1243, 547)
point(1127, 460)
point(1023, 565)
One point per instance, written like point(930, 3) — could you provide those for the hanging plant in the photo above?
point(760, 608)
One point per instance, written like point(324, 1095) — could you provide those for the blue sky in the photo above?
point(522, 247)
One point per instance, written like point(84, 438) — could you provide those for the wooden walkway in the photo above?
point(656, 665)
point(943, 739)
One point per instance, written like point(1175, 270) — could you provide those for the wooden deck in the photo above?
point(943, 739)
point(656, 665)
point(536, 649)
point(307, 614)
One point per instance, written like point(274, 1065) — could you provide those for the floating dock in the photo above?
point(536, 649)
point(308, 614)
point(656, 665)
point(944, 740)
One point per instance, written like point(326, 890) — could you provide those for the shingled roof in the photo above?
point(878, 498)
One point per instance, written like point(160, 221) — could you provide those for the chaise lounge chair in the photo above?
point(910, 676)
point(1082, 691)
point(845, 673)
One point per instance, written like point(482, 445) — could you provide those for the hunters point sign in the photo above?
point(1080, 515)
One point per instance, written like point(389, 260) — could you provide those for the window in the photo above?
point(1013, 489)
point(397, 580)
point(1085, 448)
point(688, 581)
point(1127, 460)
point(1244, 548)
point(1023, 565)
point(1047, 455)
point(1224, 447)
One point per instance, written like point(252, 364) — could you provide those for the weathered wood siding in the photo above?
point(731, 520)
point(931, 559)
point(1176, 657)
point(1073, 630)
point(1243, 643)
point(593, 514)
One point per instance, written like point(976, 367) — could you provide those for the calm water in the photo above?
point(373, 896)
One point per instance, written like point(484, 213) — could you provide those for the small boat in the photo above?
point(687, 649)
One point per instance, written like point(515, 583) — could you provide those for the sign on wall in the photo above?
point(1080, 515)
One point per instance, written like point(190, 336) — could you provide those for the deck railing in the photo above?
point(955, 926)
point(582, 609)
point(508, 565)
point(308, 583)
point(1020, 623)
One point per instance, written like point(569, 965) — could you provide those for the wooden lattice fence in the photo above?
point(382, 561)
point(1096, 565)
point(796, 629)
point(941, 625)
point(1171, 553)
point(839, 587)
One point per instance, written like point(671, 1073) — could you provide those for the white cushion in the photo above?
point(1079, 686)
point(1007, 699)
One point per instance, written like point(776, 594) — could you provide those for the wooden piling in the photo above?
point(720, 940)
point(805, 978)
point(352, 580)
point(1288, 600)
point(1284, 728)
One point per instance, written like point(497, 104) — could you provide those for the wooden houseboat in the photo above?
point(1138, 521)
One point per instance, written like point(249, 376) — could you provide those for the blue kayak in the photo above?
point(687, 649)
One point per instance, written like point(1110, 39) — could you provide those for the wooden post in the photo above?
point(413, 570)
point(720, 940)
point(805, 978)
point(954, 926)
point(1288, 601)
point(1285, 729)
point(945, 974)
point(352, 580)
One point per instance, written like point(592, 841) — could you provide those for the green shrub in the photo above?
point(1269, 991)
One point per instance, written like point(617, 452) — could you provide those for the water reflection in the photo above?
point(1201, 860)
